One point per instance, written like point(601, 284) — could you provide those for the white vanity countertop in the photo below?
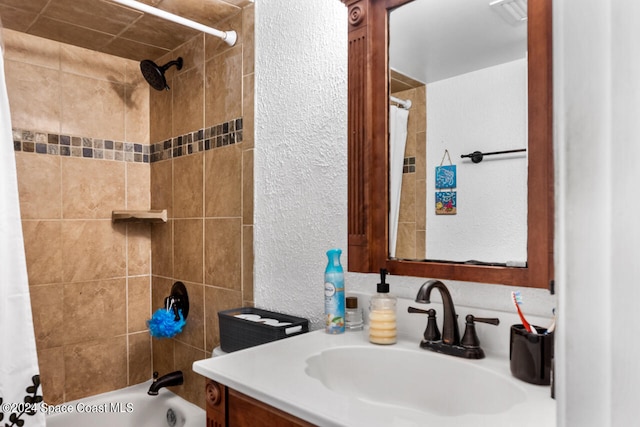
point(275, 374)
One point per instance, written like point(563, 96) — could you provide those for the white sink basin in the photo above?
point(415, 380)
point(344, 381)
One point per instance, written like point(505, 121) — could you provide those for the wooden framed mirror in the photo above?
point(368, 154)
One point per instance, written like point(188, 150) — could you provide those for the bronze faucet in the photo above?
point(450, 343)
point(450, 331)
point(168, 380)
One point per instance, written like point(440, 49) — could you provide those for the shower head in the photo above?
point(154, 74)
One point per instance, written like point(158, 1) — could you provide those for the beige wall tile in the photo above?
point(208, 11)
point(223, 178)
point(187, 251)
point(34, 96)
point(92, 189)
point(136, 105)
point(95, 250)
point(162, 186)
point(410, 148)
point(421, 249)
point(137, 182)
point(21, 47)
point(139, 358)
point(192, 389)
point(223, 252)
point(248, 111)
point(247, 187)
point(215, 300)
point(406, 243)
point(421, 204)
point(188, 186)
point(68, 33)
point(163, 359)
point(94, 310)
point(95, 367)
point(39, 180)
point(192, 54)
point(160, 289)
point(95, 108)
point(187, 104)
point(138, 303)
point(162, 249)
point(51, 364)
point(421, 112)
point(138, 249)
point(160, 115)
point(248, 40)
point(215, 46)
point(247, 263)
point(16, 19)
point(92, 64)
point(421, 155)
point(43, 250)
point(47, 310)
point(193, 332)
point(223, 90)
point(408, 198)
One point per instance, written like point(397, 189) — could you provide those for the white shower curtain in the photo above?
point(19, 376)
point(398, 118)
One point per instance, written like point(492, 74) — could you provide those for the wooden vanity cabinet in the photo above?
point(227, 407)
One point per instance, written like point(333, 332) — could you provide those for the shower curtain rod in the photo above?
point(229, 37)
point(402, 102)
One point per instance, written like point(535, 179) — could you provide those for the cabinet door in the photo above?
point(244, 411)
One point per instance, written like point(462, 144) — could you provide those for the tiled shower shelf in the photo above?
point(139, 216)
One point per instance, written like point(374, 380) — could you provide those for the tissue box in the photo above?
point(248, 326)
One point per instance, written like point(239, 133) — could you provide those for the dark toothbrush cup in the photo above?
point(530, 354)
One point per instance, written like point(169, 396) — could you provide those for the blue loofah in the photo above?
point(163, 324)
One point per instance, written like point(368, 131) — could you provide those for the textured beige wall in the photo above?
point(89, 279)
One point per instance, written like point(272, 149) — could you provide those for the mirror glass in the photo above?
point(463, 66)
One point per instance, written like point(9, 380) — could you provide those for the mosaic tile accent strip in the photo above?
point(409, 165)
point(30, 141)
point(220, 135)
point(227, 133)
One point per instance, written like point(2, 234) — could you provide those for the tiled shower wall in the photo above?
point(412, 217)
point(79, 118)
point(202, 173)
point(83, 124)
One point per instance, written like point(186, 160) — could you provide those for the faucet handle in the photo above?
point(470, 338)
point(431, 333)
point(490, 320)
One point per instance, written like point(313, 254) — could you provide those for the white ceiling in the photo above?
point(431, 40)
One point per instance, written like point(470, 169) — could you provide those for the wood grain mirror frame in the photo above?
point(368, 108)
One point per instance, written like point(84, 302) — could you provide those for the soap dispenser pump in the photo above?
point(382, 316)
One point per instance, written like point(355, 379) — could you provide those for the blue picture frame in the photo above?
point(446, 176)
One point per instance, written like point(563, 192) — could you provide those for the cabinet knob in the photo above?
point(213, 393)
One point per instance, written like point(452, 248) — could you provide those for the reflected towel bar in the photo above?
point(477, 156)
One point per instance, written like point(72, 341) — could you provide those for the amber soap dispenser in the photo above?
point(382, 316)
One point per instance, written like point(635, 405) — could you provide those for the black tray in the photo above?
point(237, 333)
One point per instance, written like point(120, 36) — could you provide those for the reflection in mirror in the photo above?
point(463, 66)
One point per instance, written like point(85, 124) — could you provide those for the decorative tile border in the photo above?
point(409, 165)
point(227, 133)
point(220, 135)
point(30, 141)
